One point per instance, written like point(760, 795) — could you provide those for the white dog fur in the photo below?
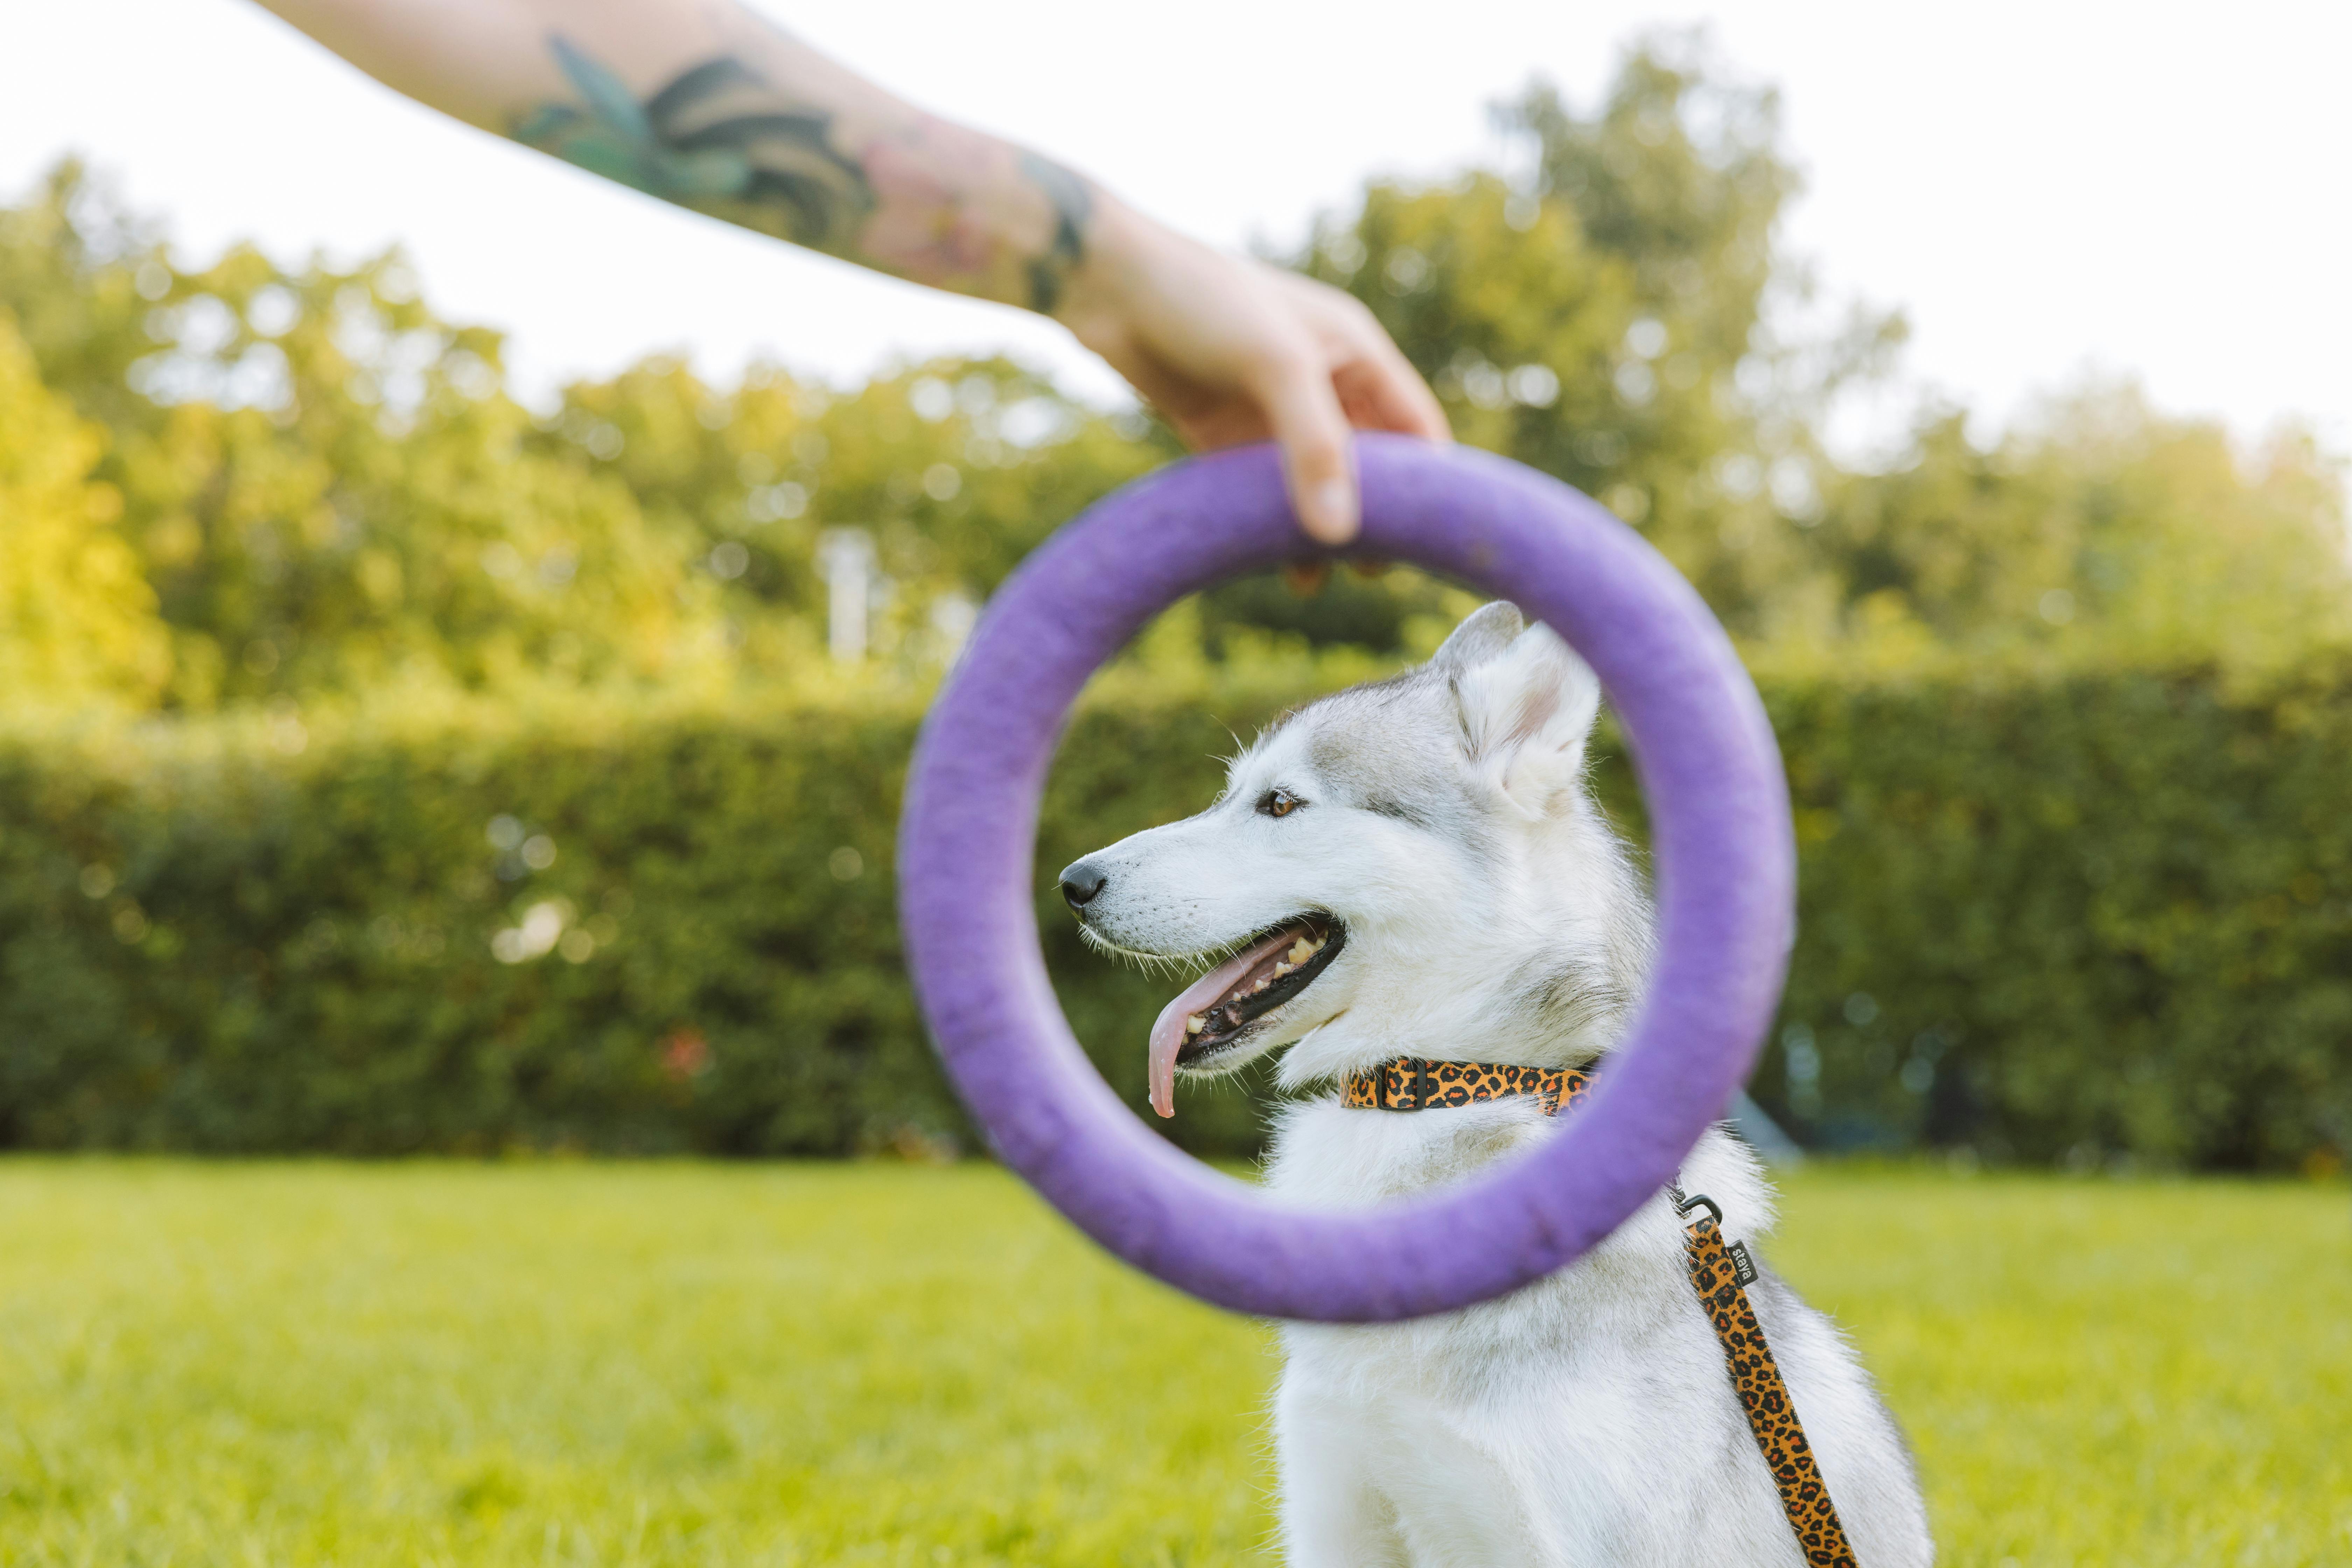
point(1490, 914)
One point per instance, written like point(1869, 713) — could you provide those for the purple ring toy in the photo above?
point(1724, 856)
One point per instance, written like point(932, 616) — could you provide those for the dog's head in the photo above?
point(1393, 869)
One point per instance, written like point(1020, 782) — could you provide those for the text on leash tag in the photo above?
point(1742, 1268)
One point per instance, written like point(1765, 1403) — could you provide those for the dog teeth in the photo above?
point(1196, 1024)
point(1282, 969)
point(1302, 950)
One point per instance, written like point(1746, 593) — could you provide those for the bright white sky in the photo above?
point(2044, 186)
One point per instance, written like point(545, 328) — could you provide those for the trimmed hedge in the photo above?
point(2078, 916)
point(2087, 916)
point(208, 943)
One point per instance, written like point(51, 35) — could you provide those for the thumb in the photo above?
point(1312, 431)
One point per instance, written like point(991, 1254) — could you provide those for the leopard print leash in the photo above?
point(1720, 1271)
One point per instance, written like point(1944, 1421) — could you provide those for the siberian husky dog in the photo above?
point(1414, 868)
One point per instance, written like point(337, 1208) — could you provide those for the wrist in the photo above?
point(1100, 291)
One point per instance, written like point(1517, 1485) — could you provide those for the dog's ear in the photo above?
point(1482, 634)
point(1528, 705)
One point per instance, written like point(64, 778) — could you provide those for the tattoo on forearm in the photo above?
point(925, 200)
point(1073, 205)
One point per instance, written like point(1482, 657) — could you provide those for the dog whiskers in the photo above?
point(1165, 963)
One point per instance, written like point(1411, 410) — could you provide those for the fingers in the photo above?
point(1402, 399)
point(1377, 385)
point(1303, 407)
point(1384, 393)
point(1231, 350)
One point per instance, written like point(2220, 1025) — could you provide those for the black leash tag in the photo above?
point(1743, 1267)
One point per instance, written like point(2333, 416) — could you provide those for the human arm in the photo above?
point(705, 104)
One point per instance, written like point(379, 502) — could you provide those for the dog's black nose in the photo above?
point(1081, 880)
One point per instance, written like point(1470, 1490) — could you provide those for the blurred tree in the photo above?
point(80, 272)
point(76, 619)
point(956, 468)
point(1619, 312)
point(1602, 317)
point(2098, 527)
point(328, 486)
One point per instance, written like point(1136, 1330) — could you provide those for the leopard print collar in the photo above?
point(1418, 1083)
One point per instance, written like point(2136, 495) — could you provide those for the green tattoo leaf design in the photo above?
point(723, 139)
point(709, 140)
point(608, 99)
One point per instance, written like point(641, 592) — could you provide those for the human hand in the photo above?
point(1231, 351)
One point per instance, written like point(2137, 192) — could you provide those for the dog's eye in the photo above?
point(1278, 803)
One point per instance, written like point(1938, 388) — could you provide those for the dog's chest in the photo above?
point(1586, 1376)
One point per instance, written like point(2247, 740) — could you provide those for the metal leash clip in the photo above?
point(1743, 1267)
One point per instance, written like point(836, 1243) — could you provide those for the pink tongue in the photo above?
point(1168, 1031)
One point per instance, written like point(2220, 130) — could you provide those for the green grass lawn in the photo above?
point(621, 1364)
